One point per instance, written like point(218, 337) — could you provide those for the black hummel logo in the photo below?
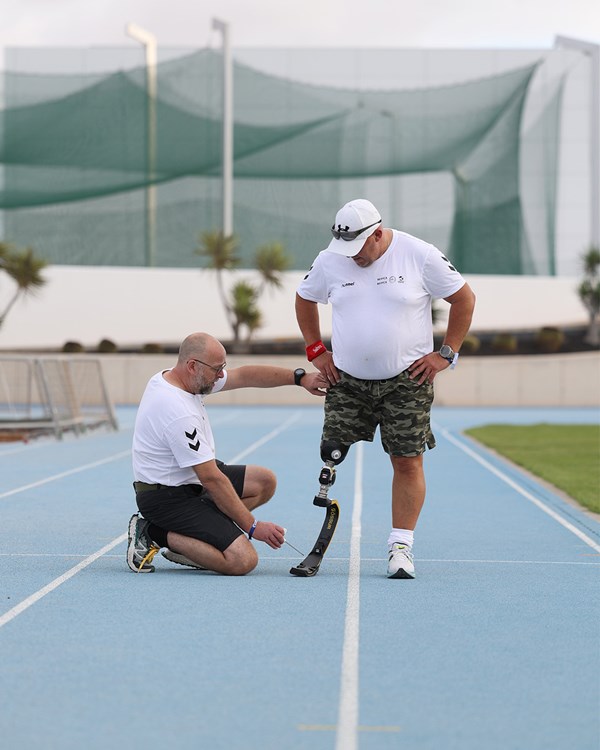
point(448, 262)
point(191, 436)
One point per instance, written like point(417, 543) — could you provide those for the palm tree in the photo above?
point(245, 311)
point(271, 261)
point(240, 303)
point(24, 268)
point(221, 253)
point(589, 293)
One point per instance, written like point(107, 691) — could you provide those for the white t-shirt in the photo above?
point(381, 314)
point(172, 433)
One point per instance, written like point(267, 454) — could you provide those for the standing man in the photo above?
point(198, 507)
point(380, 283)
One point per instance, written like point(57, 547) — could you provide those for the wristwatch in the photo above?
point(447, 352)
point(298, 375)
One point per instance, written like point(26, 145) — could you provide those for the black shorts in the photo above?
point(189, 510)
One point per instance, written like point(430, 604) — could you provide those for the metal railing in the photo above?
point(41, 395)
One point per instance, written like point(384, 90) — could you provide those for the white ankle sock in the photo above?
point(401, 536)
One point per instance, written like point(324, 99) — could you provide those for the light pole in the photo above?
point(227, 168)
point(150, 47)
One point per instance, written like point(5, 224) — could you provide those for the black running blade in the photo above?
point(311, 563)
point(309, 566)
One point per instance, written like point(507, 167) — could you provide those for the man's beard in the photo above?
point(206, 388)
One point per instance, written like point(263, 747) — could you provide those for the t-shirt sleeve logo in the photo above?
point(450, 266)
point(191, 436)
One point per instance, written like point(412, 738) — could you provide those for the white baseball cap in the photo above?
point(354, 224)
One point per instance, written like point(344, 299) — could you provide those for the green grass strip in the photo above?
point(566, 455)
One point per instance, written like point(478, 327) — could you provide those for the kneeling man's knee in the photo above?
point(241, 557)
point(269, 484)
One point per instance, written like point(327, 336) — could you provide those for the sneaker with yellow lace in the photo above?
point(140, 548)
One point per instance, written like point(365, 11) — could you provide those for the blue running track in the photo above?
point(494, 646)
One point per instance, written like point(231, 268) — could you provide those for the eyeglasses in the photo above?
point(345, 234)
point(216, 370)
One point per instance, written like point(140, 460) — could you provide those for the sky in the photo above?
point(302, 23)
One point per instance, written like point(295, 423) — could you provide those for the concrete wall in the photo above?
point(134, 306)
point(544, 380)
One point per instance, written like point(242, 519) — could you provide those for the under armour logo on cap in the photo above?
point(354, 224)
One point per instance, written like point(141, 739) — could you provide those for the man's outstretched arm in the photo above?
point(269, 376)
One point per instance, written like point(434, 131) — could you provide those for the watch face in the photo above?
point(298, 374)
point(446, 351)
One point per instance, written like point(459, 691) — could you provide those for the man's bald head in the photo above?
point(196, 345)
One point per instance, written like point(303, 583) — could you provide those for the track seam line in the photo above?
point(64, 474)
point(277, 558)
point(347, 725)
point(41, 593)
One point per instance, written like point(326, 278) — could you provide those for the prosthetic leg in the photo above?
point(333, 453)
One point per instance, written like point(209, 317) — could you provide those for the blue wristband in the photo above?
point(252, 529)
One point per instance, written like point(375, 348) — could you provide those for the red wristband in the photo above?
point(314, 350)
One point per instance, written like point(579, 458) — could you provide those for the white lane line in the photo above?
point(521, 490)
point(26, 603)
point(269, 436)
point(347, 725)
point(63, 474)
point(54, 477)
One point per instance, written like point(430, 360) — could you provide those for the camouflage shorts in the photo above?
point(401, 408)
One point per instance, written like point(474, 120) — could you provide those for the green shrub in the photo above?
point(153, 349)
point(72, 347)
point(106, 346)
point(549, 339)
point(505, 343)
point(470, 345)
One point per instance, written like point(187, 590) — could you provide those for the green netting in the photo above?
point(77, 163)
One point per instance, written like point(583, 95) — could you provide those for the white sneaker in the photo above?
point(175, 557)
point(140, 548)
point(400, 564)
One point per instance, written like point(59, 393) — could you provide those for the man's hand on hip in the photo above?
point(324, 363)
point(425, 369)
